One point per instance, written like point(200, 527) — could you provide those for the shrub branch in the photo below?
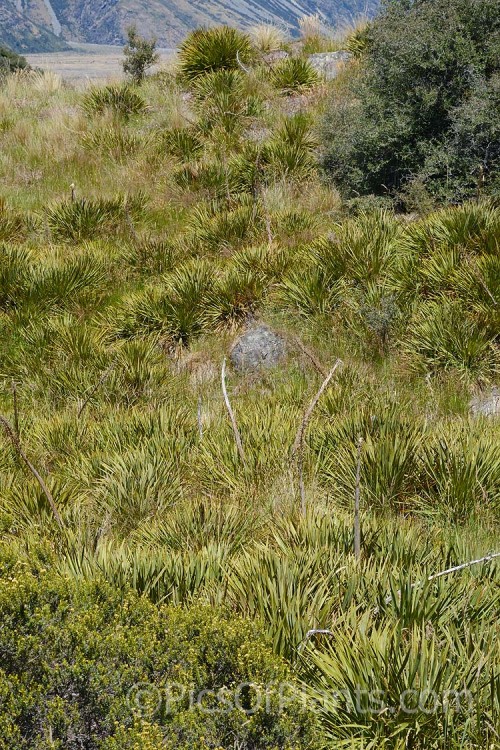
point(237, 435)
point(14, 439)
point(298, 446)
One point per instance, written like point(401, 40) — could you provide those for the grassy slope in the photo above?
point(97, 319)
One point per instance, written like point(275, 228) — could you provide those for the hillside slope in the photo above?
point(249, 454)
point(168, 20)
point(27, 32)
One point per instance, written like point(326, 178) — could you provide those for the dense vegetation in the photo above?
point(139, 546)
point(10, 61)
point(419, 121)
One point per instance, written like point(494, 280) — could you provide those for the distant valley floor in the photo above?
point(87, 61)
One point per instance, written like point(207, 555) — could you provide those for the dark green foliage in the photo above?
point(207, 50)
point(140, 55)
point(116, 315)
point(388, 459)
point(460, 473)
point(233, 299)
point(344, 265)
point(216, 228)
point(23, 282)
point(357, 43)
point(11, 61)
point(395, 687)
point(422, 107)
point(175, 308)
point(450, 471)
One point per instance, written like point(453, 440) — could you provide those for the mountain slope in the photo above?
point(106, 22)
point(27, 32)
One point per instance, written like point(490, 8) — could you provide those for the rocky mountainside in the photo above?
point(27, 32)
point(44, 25)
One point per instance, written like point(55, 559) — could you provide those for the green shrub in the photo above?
point(208, 50)
point(140, 55)
point(389, 456)
point(72, 280)
point(137, 486)
point(460, 474)
point(452, 251)
point(421, 104)
point(11, 61)
point(216, 228)
point(345, 266)
point(223, 103)
point(78, 220)
point(232, 299)
point(310, 291)
point(357, 42)
point(26, 282)
point(175, 308)
point(363, 248)
point(264, 577)
point(92, 650)
point(478, 282)
point(196, 524)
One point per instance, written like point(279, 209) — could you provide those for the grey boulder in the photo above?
point(487, 403)
point(329, 64)
point(257, 348)
point(276, 56)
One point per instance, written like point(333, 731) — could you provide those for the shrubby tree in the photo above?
point(11, 61)
point(421, 108)
point(140, 54)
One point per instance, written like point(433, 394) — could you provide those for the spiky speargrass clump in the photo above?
point(294, 74)
point(119, 99)
point(86, 219)
point(206, 50)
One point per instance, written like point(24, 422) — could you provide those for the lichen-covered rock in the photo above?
point(328, 64)
point(487, 403)
point(259, 347)
point(276, 56)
